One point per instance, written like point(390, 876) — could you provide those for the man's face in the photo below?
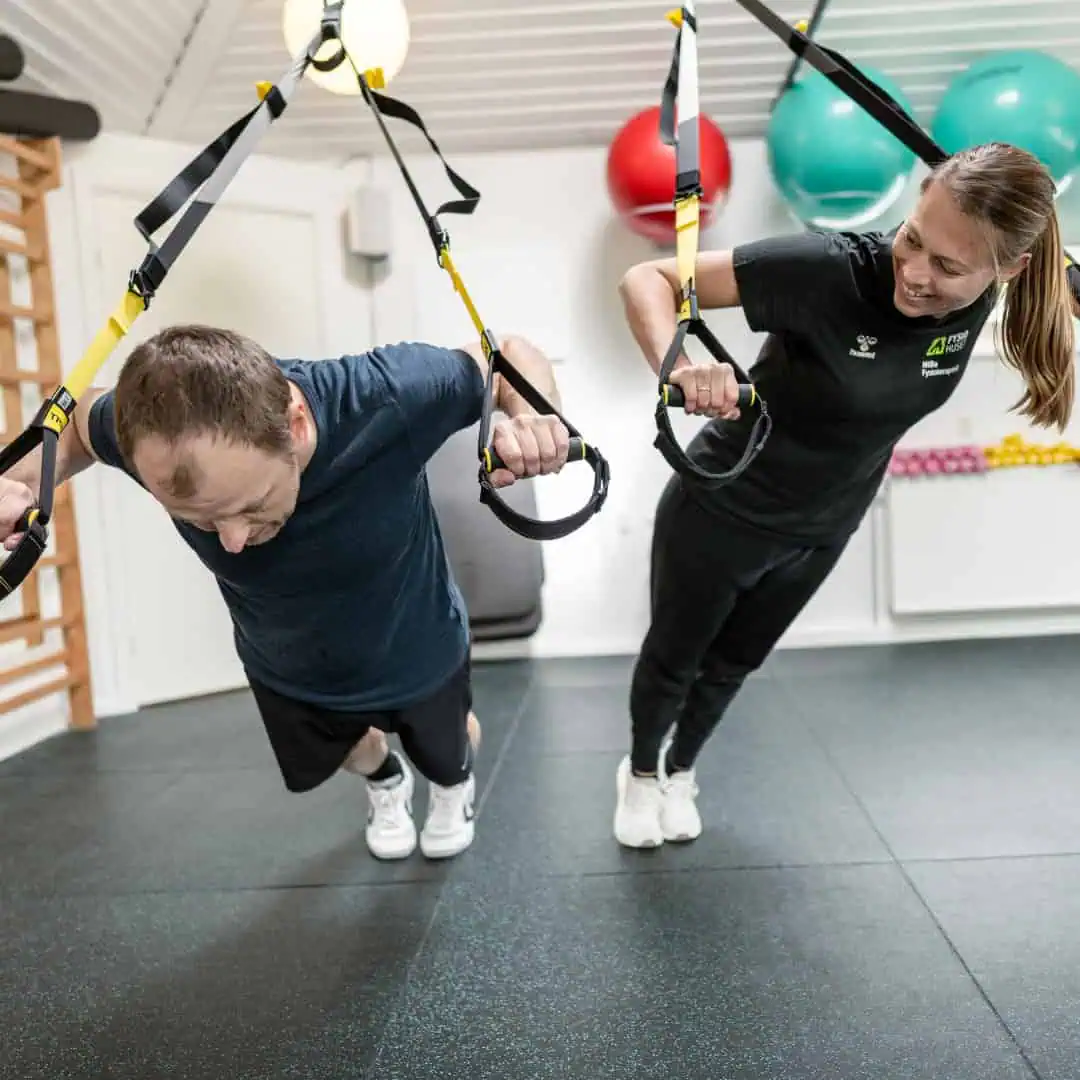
point(242, 493)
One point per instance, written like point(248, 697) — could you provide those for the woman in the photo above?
point(867, 334)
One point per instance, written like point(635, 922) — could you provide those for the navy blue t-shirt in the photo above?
point(353, 605)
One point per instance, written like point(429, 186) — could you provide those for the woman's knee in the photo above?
point(727, 668)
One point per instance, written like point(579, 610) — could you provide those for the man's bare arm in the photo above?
point(73, 454)
point(525, 357)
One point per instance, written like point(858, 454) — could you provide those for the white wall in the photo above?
point(545, 216)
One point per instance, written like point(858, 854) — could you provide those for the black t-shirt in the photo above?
point(844, 375)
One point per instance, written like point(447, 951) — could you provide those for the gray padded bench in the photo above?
point(500, 573)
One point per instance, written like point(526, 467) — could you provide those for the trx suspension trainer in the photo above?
point(681, 95)
point(382, 105)
point(206, 177)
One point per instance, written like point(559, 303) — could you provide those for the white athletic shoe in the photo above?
point(679, 817)
point(449, 828)
point(637, 808)
point(391, 832)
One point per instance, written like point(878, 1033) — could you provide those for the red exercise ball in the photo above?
point(641, 175)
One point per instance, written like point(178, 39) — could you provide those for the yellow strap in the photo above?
point(447, 263)
point(108, 337)
point(687, 224)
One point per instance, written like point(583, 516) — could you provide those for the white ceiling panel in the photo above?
point(116, 54)
point(493, 74)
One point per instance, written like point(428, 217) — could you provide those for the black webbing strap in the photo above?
point(680, 96)
point(531, 528)
point(204, 179)
point(384, 105)
point(152, 271)
point(881, 105)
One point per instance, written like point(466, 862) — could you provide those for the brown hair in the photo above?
point(1009, 192)
point(198, 380)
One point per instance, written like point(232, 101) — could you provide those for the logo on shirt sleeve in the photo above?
point(865, 347)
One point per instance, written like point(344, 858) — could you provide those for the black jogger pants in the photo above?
point(722, 595)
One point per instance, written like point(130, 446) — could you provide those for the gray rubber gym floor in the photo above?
point(888, 887)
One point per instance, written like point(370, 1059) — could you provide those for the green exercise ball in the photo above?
point(1023, 97)
point(835, 166)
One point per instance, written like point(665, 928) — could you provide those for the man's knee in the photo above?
point(443, 761)
point(368, 754)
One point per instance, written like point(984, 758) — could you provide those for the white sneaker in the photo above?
point(637, 808)
point(679, 817)
point(449, 828)
point(391, 832)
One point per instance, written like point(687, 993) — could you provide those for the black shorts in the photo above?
point(311, 742)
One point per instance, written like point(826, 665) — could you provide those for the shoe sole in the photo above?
point(448, 853)
point(648, 845)
point(391, 856)
point(681, 838)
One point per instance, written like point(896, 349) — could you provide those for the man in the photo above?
point(301, 486)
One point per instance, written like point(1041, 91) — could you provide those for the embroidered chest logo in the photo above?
point(864, 349)
point(943, 346)
point(940, 346)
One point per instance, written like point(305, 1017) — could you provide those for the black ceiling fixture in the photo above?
point(39, 116)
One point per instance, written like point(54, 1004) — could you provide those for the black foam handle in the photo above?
point(492, 461)
point(674, 397)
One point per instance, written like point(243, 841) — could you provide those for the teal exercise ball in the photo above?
point(835, 166)
point(1023, 97)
